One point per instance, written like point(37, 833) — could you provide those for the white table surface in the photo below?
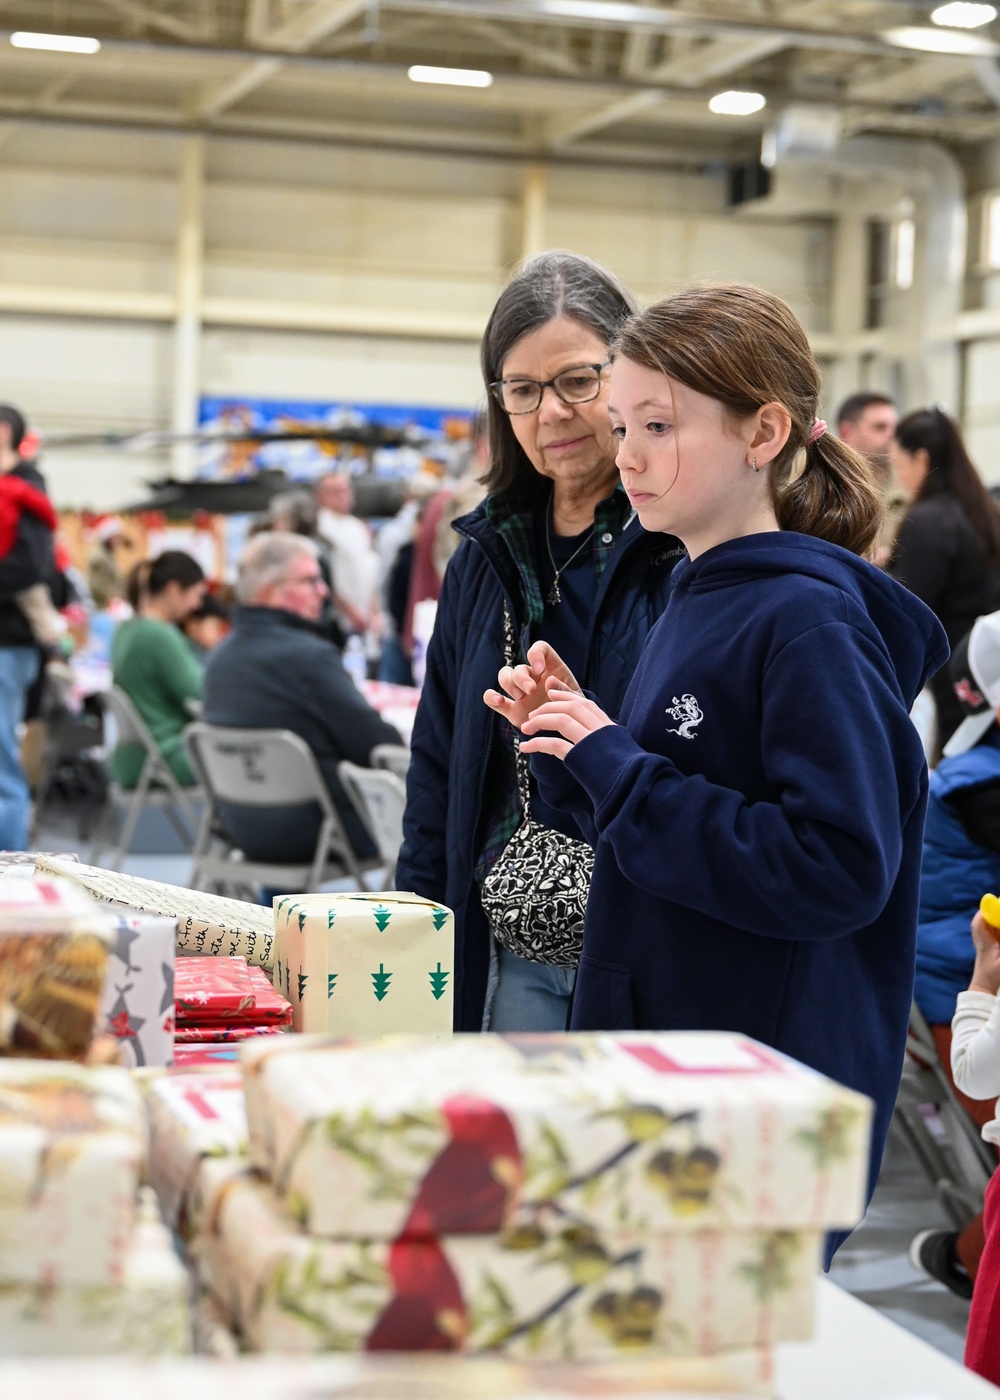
point(856, 1355)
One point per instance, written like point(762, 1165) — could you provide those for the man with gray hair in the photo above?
point(275, 670)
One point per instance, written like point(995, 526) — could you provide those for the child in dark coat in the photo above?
point(757, 811)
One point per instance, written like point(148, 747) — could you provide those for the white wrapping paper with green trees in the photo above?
point(365, 964)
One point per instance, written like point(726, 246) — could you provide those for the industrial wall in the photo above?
point(294, 271)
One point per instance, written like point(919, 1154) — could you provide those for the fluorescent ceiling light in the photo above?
point(941, 41)
point(737, 104)
point(452, 77)
point(961, 14)
point(60, 43)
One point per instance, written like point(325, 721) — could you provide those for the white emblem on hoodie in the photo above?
point(688, 714)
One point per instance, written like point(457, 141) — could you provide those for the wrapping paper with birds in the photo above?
point(192, 1116)
point(552, 1288)
point(72, 1145)
point(145, 1313)
point(675, 1131)
point(365, 964)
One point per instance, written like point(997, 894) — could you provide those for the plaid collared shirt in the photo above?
point(513, 515)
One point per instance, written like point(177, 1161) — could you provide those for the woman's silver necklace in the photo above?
point(554, 595)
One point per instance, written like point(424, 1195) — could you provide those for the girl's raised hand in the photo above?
point(567, 712)
point(525, 685)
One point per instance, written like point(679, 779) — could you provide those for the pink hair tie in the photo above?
point(816, 431)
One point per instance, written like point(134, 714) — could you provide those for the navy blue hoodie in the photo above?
point(757, 813)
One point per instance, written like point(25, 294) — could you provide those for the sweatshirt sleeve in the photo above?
point(423, 859)
point(975, 1045)
point(179, 672)
point(820, 858)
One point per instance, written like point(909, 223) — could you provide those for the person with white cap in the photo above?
point(961, 862)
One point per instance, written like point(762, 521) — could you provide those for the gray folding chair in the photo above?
point(156, 787)
point(943, 1138)
point(393, 757)
point(379, 798)
point(264, 769)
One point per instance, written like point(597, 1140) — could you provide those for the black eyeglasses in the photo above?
point(578, 385)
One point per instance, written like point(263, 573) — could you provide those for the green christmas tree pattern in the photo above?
point(331, 918)
point(302, 920)
point(439, 981)
point(380, 982)
point(331, 982)
point(440, 918)
point(382, 917)
point(303, 979)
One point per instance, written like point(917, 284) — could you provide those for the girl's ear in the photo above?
point(771, 428)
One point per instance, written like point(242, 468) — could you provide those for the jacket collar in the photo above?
point(248, 617)
point(503, 528)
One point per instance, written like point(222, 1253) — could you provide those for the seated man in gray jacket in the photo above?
point(276, 671)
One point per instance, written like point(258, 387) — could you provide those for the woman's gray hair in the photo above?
point(266, 561)
point(549, 285)
point(294, 511)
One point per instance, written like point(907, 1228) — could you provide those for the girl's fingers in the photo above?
point(568, 725)
point(558, 748)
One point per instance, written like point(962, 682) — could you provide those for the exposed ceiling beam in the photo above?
point(920, 79)
point(153, 16)
point(510, 43)
point(308, 27)
point(692, 69)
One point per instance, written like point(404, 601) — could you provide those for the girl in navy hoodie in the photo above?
point(757, 806)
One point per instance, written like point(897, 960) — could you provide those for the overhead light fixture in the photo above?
point(952, 41)
point(961, 14)
point(58, 43)
point(736, 104)
point(451, 77)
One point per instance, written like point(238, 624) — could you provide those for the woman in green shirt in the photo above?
point(153, 664)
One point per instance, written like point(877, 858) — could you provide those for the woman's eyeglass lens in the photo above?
point(572, 386)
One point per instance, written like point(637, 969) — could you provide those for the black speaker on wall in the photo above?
point(748, 179)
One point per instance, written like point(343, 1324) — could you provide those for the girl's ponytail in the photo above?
point(745, 348)
point(828, 490)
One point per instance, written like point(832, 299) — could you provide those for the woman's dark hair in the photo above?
point(151, 576)
point(745, 348)
point(951, 473)
point(550, 285)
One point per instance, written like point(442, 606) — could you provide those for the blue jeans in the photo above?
point(530, 996)
point(18, 668)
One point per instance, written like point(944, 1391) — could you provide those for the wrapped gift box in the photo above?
point(191, 1116)
point(365, 964)
point(145, 1314)
point(53, 960)
point(72, 1144)
point(138, 1006)
point(543, 1291)
point(207, 924)
point(224, 992)
point(415, 1137)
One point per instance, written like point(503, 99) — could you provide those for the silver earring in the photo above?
point(753, 466)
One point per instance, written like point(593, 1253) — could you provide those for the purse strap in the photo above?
point(520, 762)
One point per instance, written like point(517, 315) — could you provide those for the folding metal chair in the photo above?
point(393, 757)
point(943, 1138)
point(156, 787)
point(264, 769)
point(379, 798)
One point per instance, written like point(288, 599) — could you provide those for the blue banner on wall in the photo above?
point(436, 433)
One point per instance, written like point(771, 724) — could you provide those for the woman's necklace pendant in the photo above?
point(554, 596)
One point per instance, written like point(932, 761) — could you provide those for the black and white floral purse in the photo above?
point(535, 896)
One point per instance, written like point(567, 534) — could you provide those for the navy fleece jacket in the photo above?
point(757, 813)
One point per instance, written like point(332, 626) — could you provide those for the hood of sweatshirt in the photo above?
point(906, 628)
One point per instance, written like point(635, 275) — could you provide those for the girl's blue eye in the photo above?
point(617, 432)
point(658, 427)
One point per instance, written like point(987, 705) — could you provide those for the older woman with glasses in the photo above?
point(554, 554)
